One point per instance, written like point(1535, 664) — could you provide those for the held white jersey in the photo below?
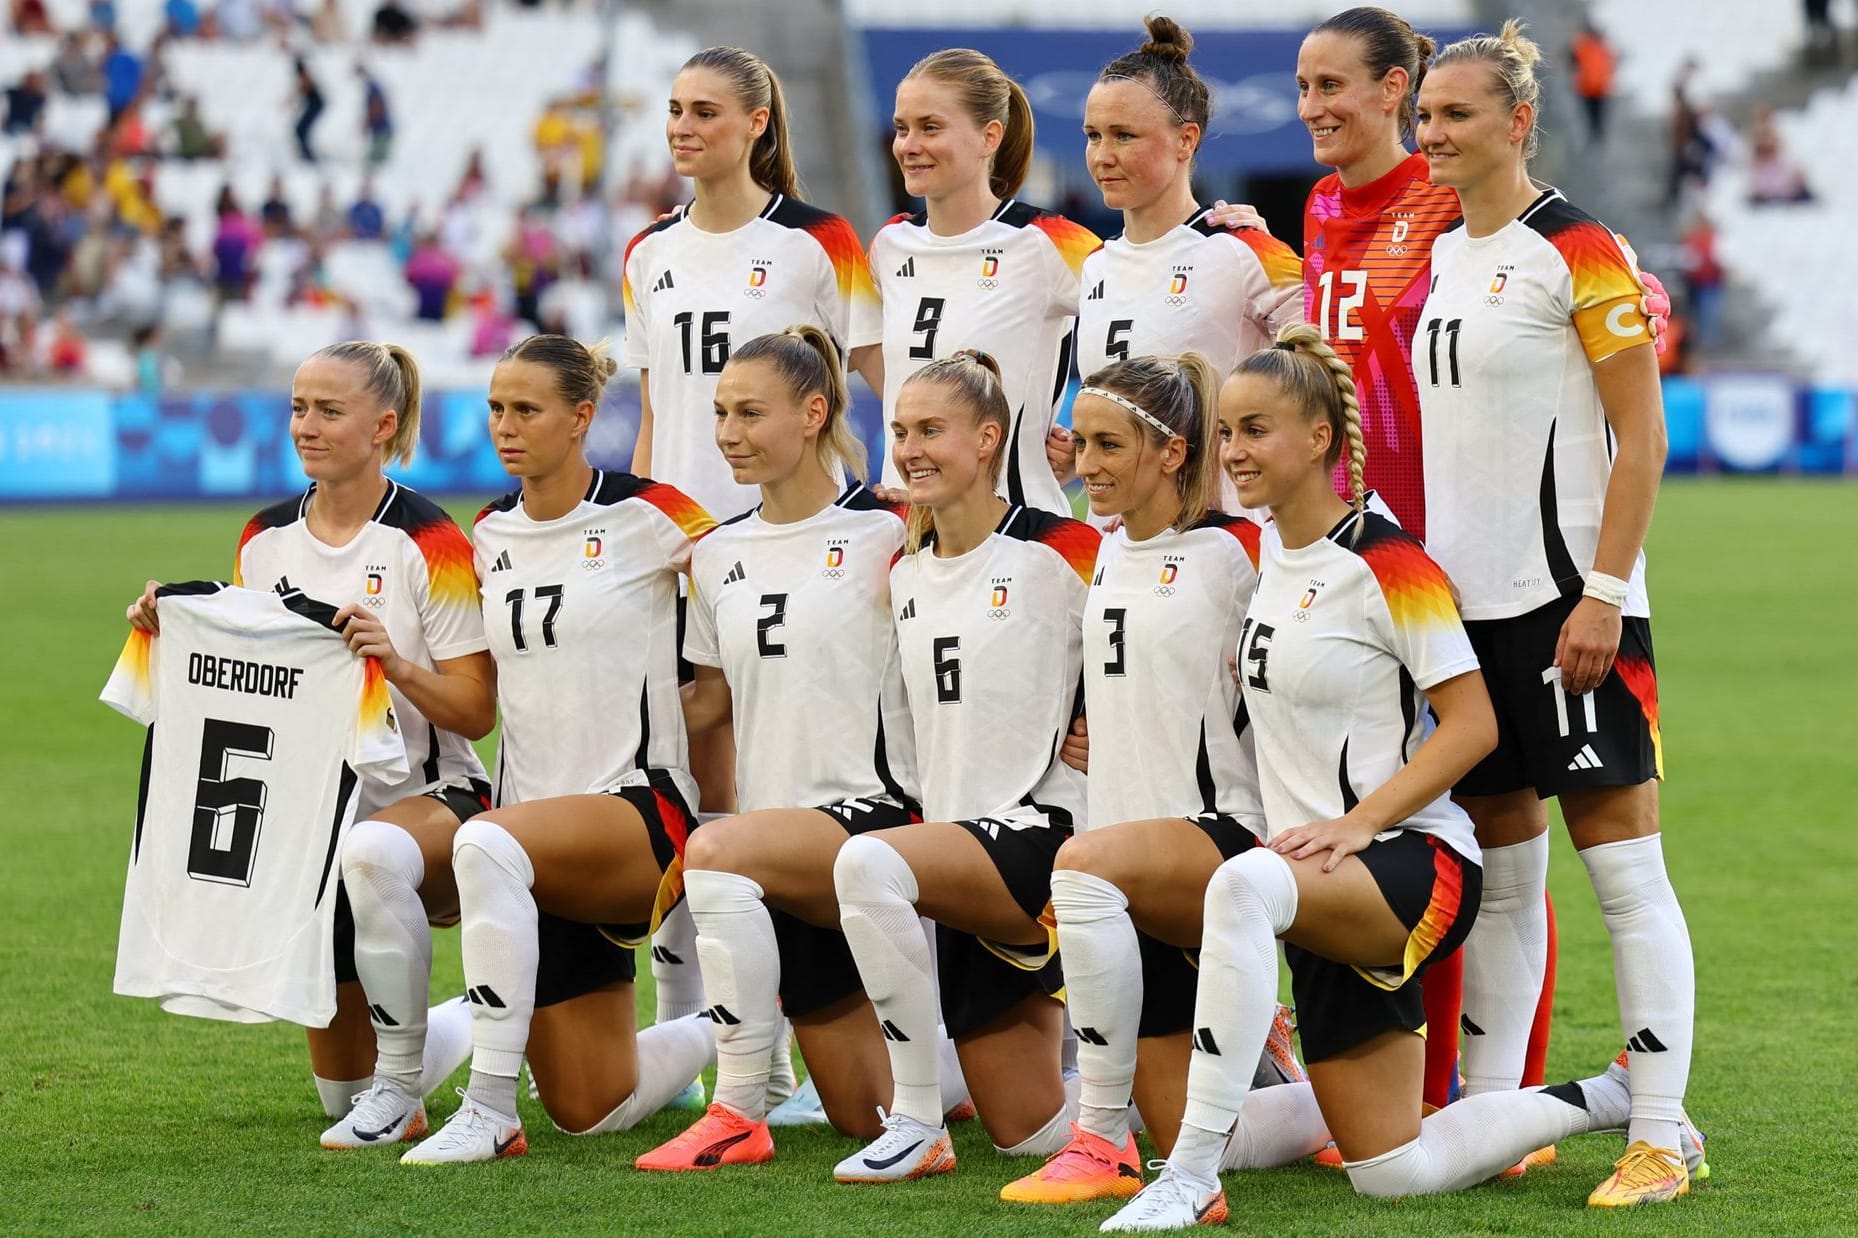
point(1008, 288)
point(411, 566)
point(1168, 730)
point(1340, 642)
point(992, 657)
point(261, 726)
point(581, 612)
point(798, 618)
point(1517, 448)
point(693, 296)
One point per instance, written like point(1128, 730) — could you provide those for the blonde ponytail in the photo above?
point(1307, 370)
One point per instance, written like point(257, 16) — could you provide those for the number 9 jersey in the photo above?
point(581, 614)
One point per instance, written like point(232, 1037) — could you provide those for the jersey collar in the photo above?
point(1374, 197)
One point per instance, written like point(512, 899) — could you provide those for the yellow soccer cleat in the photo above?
point(1089, 1167)
point(1644, 1175)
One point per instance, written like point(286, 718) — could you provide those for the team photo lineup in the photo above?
point(990, 809)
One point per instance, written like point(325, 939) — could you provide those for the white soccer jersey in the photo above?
point(1336, 650)
point(267, 725)
point(991, 658)
point(1168, 731)
point(798, 618)
point(1008, 288)
point(581, 612)
point(692, 296)
point(1517, 449)
point(411, 566)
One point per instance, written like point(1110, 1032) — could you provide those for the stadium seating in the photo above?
point(1116, 14)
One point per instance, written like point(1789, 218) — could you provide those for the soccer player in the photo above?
point(1173, 282)
point(1369, 870)
point(791, 630)
point(743, 258)
point(558, 882)
point(988, 599)
point(1173, 788)
point(976, 268)
point(1544, 434)
point(400, 570)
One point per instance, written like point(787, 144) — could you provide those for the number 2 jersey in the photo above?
point(261, 725)
point(1168, 728)
point(693, 296)
point(1009, 288)
point(1366, 260)
point(1339, 645)
point(1518, 452)
point(410, 566)
point(581, 614)
point(798, 617)
point(991, 645)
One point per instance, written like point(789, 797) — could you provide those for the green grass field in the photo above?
point(119, 1118)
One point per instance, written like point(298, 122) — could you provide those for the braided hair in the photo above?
point(1309, 372)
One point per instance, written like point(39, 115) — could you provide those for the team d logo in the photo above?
point(1497, 283)
point(757, 278)
point(374, 588)
point(1302, 613)
point(1177, 286)
point(835, 563)
point(990, 269)
point(1170, 571)
point(996, 602)
point(591, 551)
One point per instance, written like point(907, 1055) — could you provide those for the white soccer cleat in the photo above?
point(1169, 1202)
point(907, 1149)
point(380, 1116)
point(803, 1108)
point(472, 1134)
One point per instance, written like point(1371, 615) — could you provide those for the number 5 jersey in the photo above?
point(267, 723)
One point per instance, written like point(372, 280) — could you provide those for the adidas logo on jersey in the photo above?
point(1095, 294)
point(735, 573)
point(1586, 758)
point(664, 284)
point(907, 270)
point(908, 611)
point(502, 564)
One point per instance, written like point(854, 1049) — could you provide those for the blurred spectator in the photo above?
point(29, 17)
point(533, 263)
point(75, 69)
point(235, 244)
point(183, 17)
point(472, 182)
point(19, 308)
point(191, 138)
point(65, 349)
point(103, 15)
point(155, 371)
point(1772, 177)
point(329, 221)
point(309, 109)
point(555, 146)
point(432, 273)
point(377, 122)
point(122, 76)
point(274, 211)
point(239, 20)
point(1703, 279)
point(366, 220)
point(493, 328)
point(394, 24)
point(1690, 150)
point(25, 103)
point(329, 26)
point(1822, 37)
point(126, 137)
point(1594, 63)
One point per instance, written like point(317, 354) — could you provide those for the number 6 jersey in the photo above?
point(266, 724)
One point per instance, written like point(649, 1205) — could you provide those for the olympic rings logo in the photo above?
point(833, 573)
point(999, 612)
point(753, 294)
point(1177, 300)
point(592, 565)
point(1164, 591)
point(375, 602)
point(986, 283)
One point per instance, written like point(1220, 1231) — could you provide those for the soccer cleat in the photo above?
point(1169, 1202)
point(907, 1149)
point(720, 1137)
point(692, 1097)
point(474, 1133)
point(803, 1108)
point(1278, 1063)
point(1692, 1147)
point(1644, 1175)
point(380, 1116)
point(1089, 1167)
point(963, 1111)
point(1535, 1160)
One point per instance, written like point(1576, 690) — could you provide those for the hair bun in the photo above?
point(1166, 40)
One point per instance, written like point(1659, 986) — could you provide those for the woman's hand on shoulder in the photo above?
point(1235, 216)
point(141, 612)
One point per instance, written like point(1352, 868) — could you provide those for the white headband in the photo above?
point(1133, 407)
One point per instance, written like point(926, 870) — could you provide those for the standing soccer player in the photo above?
point(1544, 433)
point(976, 268)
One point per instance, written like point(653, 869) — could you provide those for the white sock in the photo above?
point(1251, 899)
point(1048, 1139)
point(676, 977)
point(1470, 1141)
point(338, 1095)
point(1103, 991)
point(448, 1043)
point(1656, 978)
point(381, 870)
point(670, 1056)
point(877, 897)
point(497, 929)
point(954, 1083)
point(1282, 1126)
point(742, 977)
point(1505, 958)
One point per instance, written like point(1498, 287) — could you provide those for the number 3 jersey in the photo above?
point(991, 645)
point(1167, 725)
point(693, 296)
point(581, 614)
point(261, 725)
point(1339, 645)
point(410, 567)
point(798, 617)
point(1518, 451)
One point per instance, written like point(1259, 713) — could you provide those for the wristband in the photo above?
point(1604, 588)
